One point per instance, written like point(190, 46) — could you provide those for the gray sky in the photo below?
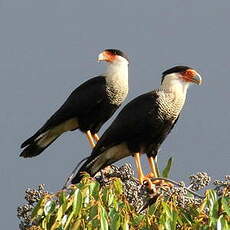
point(47, 48)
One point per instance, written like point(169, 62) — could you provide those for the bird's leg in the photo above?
point(139, 168)
point(140, 173)
point(90, 138)
point(153, 167)
point(96, 137)
point(155, 173)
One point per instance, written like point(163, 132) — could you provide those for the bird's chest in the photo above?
point(169, 106)
point(116, 91)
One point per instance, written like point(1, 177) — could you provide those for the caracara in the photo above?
point(88, 107)
point(143, 124)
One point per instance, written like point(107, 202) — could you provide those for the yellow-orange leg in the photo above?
point(96, 137)
point(140, 173)
point(153, 167)
point(90, 138)
point(155, 173)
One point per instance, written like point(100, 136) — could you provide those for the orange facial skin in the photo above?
point(109, 56)
point(190, 75)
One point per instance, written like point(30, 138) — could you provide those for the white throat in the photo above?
point(117, 71)
point(174, 83)
point(116, 76)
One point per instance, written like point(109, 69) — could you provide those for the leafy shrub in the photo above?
point(117, 201)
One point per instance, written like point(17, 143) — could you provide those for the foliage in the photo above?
point(104, 205)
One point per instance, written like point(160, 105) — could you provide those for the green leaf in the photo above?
point(95, 224)
point(125, 225)
point(44, 224)
point(115, 222)
point(220, 223)
point(94, 189)
point(64, 219)
point(118, 186)
point(68, 220)
point(186, 217)
point(167, 223)
point(112, 212)
point(211, 194)
point(76, 225)
point(213, 205)
point(153, 208)
point(137, 219)
point(174, 220)
point(103, 219)
point(166, 209)
point(60, 213)
point(104, 223)
point(93, 212)
point(105, 195)
point(38, 209)
point(77, 202)
point(111, 198)
point(215, 209)
point(86, 196)
point(49, 207)
point(225, 201)
point(212, 221)
point(63, 205)
point(166, 170)
point(103, 212)
point(62, 197)
point(56, 226)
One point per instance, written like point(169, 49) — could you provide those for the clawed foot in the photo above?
point(154, 182)
point(146, 179)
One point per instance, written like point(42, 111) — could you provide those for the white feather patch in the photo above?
point(111, 155)
point(46, 138)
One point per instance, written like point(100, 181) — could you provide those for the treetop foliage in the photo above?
point(117, 201)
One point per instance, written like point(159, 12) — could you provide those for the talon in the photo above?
point(150, 175)
point(166, 184)
point(142, 180)
point(162, 183)
point(156, 182)
point(151, 186)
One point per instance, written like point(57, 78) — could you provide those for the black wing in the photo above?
point(134, 120)
point(137, 122)
point(82, 100)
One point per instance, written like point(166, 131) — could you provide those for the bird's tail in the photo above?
point(37, 144)
point(72, 175)
point(96, 162)
point(92, 165)
point(45, 137)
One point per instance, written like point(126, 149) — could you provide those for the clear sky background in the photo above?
point(47, 48)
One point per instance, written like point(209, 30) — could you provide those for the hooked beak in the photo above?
point(197, 79)
point(102, 57)
point(191, 75)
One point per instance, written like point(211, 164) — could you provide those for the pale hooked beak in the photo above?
point(197, 79)
point(101, 57)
